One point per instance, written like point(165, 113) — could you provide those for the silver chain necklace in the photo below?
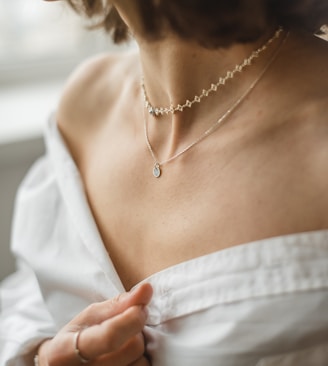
point(157, 167)
point(160, 111)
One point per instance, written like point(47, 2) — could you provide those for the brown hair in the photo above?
point(211, 23)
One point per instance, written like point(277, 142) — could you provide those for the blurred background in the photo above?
point(40, 44)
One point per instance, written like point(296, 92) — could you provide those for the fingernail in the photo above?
point(134, 288)
point(144, 309)
point(122, 296)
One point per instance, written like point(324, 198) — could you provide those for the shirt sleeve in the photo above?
point(24, 319)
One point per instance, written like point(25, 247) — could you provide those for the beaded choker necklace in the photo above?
point(160, 111)
point(157, 167)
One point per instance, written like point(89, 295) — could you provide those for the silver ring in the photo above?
point(76, 347)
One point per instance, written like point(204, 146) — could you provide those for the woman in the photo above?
point(198, 184)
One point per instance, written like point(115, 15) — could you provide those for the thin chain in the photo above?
point(159, 111)
point(158, 164)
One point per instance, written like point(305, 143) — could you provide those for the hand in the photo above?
point(110, 334)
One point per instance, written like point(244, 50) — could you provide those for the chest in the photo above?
point(202, 202)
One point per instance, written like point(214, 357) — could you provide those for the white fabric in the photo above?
point(263, 303)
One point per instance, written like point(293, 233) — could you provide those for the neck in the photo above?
point(175, 71)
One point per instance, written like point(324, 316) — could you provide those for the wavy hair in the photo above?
point(210, 23)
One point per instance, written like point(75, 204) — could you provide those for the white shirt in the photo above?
point(263, 303)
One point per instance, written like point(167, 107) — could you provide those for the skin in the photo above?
point(262, 174)
point(111, 335)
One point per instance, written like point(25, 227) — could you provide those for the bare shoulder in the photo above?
point(91, 92)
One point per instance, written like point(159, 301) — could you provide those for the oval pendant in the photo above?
point(157, 171)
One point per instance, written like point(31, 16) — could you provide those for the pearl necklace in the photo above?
point(160, 111)
point(157, 167)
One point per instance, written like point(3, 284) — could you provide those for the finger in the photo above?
point(140, 295)
point(112, 334)
point(98, 312)
point(141, 362)
point(131, 351)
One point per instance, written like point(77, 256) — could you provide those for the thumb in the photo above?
point(139, 295)
point(98, 312)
